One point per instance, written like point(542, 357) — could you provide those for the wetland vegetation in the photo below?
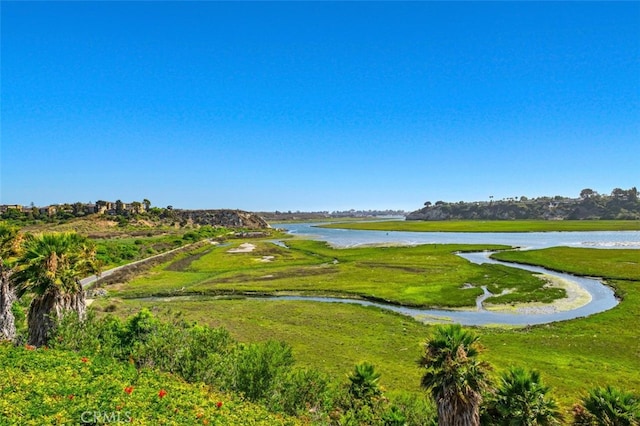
point(333, 337)
point(323, 342)
point(423, 276)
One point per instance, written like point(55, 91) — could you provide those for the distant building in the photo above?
point(100, 207)
point(7, 207)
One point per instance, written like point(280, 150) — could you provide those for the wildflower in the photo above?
point(84, 359)
point(128, 390)
point(219, 404)
point(29, 347)
point(162, 393)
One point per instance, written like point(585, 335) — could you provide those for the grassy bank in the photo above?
point(426, 276)
point(573, 356)
point(492, 226)
point(621, 264)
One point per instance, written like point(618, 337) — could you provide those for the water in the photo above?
point(525, 240)
point(602, 297)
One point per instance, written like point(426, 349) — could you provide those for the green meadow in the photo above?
point(425, 276)
point(492, 225)
point(573, 356)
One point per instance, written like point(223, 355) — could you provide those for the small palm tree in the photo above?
point(454, 375)
point(9, 238)
point(363, 383)
point(51, 267)
point(608, 407)
point(521, 399)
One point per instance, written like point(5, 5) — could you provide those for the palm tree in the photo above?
point(454, 375)
point(8, 248)
point(608, 407)
point(363, 383)
point(51, 266)
point(521, 399)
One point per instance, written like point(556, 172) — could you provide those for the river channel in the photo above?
point(601, 297)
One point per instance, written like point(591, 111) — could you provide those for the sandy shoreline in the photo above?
point(243, 248)
point(576, 297)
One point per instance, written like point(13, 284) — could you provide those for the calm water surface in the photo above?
point(525, 240)
point(602, 297)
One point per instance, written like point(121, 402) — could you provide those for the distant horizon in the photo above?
point(295, 210)
point(316, 106)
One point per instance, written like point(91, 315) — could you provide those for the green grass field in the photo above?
point(623, 264)
point(427, 275)
point(573, 356)
point(492, 225)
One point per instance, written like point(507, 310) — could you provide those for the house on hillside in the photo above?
point(6, 207)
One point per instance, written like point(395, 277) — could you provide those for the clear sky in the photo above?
point(317, 105)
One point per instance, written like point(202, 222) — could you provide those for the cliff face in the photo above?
point(226, 218)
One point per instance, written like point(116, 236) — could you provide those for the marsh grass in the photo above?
point(621, 264)
point(572, 356)
point(424, 276)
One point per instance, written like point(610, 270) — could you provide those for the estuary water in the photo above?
point(523, 240)
point(601, 297)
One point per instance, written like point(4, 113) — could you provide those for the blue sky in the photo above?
point(317, 105)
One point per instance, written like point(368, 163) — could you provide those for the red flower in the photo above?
point(128, 390)
point(84, 359)
point(219, 404)
point(162, 393)
point(29, 347)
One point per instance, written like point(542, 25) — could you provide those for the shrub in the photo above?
point(417, 410)
point(302, 392)
point(256, 368)
point(48, 386)
point(608, 406)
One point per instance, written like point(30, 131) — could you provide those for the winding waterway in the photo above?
point(602, 297)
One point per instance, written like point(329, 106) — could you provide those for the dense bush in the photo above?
point(259, 372)
point(53, 387)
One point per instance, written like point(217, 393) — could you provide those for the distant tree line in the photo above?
point(620, 204)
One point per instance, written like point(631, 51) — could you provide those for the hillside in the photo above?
point(127, 224)
point(620, 205)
